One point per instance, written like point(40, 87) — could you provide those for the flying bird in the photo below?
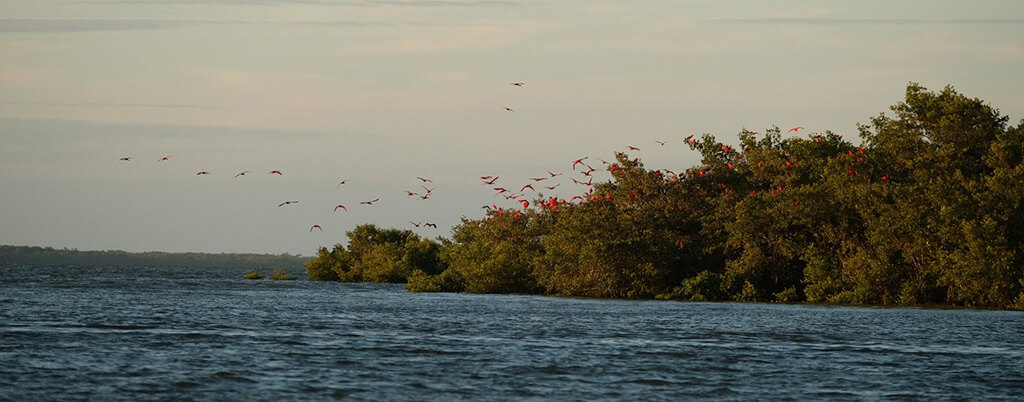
point(528, 186)
point(518, 84)
point(370, 202)
point(425, 180)
point(662, 143)
point(554, 174)
point(163, 159)
point(490, 182)
point(416, 224)
point(242, 173)
point(509, 109)
point(202, 173)
point(795, 129)
point(433, 225)
point(126, 158)
point(277, 172)
point(341, 183)
point(578, 162)
point(316, 227)
point(287, 202)
point(632, 148)
point(553, 187)
point(340, 206)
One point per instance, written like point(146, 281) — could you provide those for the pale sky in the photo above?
point(380, 92)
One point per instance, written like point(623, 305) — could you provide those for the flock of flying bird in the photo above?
point(519, 194)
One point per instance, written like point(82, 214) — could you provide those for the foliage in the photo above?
point(253, 275)
point(376, 255)
point(282, 275)
point(927, 209)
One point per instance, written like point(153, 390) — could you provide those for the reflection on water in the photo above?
point(189, 333)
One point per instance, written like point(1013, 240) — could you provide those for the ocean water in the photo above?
point(105, 333)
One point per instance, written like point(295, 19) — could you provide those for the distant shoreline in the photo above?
point(36, 255)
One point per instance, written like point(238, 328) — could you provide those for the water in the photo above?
point(100, 333)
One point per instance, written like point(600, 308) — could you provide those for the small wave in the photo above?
point(227, 375)
point(128, 327)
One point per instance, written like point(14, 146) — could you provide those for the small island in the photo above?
point(926, 210)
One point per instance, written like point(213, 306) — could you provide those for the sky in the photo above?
point(378, 93)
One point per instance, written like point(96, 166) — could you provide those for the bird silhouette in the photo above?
point(316, 227)
point(287, 203)
point(277, 172)
point(242, 173)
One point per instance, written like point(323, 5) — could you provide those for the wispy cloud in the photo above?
point(85, 25)
point(115, 104)
point(870, 21)
point(339, 3)
point(42, 25)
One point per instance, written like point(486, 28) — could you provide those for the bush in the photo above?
point(282, 275)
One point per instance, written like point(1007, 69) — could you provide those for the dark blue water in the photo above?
point(207, 334)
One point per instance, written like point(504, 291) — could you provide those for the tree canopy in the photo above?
point(927, 209)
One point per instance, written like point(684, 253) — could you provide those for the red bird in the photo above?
point(425, 180)
point(518, 84)
point(341, 183)
point(416, 224)
point(163, 159)
point(886, 177)
point(578, 162)
point(726, 148)
point(526, 204)
point(795, 129)
point(553, 187)
point(126, 158)
point(340, 206)
point(242, 173)
point(632, 148)
point(410, 193)
point(539, 178)
point(316, 227)
point(370, 202)
point(277, 172)
point(554, 174)
point(202, 173)
point(528, 186)
point(662, 143)
point(287, 202)
point(485, 177)
point(509, 109)
point(490, 182)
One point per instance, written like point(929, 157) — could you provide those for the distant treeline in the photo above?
point(928, 209)
point(53, 256)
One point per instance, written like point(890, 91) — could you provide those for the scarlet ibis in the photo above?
point(727, 149)
point(509, 109)
point(485, 177)
point(578, 162)
point(553, 187)
point(500, 189)
point(789, 164)
point(688, 138)
point(202, 173)
point(410, 193)
point(416, 224)
point(340, 206)
point(490, 182)
point(287, 202)
point(242, 173)
point(539, 178)
point(341, 183)
point(163, 159)
point(428, 189)
point(370, 202)
point(662, 143)
point(277, 172)
point(518, 84)
point(554, 174)
point(526, 204)
point(528, 186)
point(632, 148)
point(730, 165)
point(316, 227)
point(425, 180)
point(795, 129)
point(126, 158)
point(886, 177)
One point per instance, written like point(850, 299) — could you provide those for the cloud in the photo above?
point(110, 104)
point(85, 25)
point(339, 3)
point(870, 21)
